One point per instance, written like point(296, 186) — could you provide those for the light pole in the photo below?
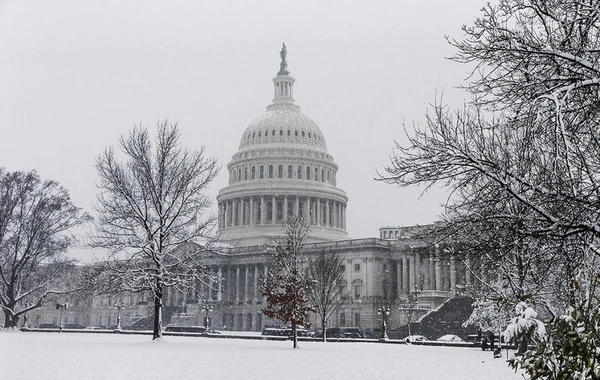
point(62, 306)
point(206, 307)
point(384, 311)
point(412, 303)
point(24, 325)
point(119, 306)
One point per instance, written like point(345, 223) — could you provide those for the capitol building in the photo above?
point(282, 168)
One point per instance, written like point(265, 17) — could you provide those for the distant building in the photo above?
point(282, 168)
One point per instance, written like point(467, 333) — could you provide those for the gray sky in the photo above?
point(75, 75)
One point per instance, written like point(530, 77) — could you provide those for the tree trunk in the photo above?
point(158, 298)
point(10, 320)
point(294, 335)
point(324, 329)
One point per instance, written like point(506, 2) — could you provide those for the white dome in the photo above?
point(283, 124)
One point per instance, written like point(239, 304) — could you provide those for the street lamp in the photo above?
point(412, 304)
point(384, 311)
point(119, 306)
point(27, 304)
point(206, 307)
point(62, 306)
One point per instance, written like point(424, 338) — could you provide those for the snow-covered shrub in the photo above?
point(569, 349)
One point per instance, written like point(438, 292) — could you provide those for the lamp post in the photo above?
point(24, 325)
point(412, 303)
point(61, 307)
point(206, 307)
point(119, 306)
point(384, 311)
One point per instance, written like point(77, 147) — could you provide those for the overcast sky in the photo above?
point(75, 75)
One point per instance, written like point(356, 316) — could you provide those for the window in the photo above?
point(302, 133)
point(316, 174)
point(253, 134)
point(245, 174)
point(289, 133)
point(290, 170)
point(296, 133)
point(270, 171)
point(357, 267)
point(299, 172)
point(280, 171)
point(273, 133)
point(281, 132)
point(308, 173)
point(262, 172)
point(259, 132)
point(253, 172)
point(322, 175)
point(342, 319)
point(309, 136)
point(356, 318)
point(357, 289)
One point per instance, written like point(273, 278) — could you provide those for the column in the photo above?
point(411, 272)
point(318, 213)
point(418, 270)
point(297, 206)
point(438, 270)
point(274, 211)
point(219, 284)
point(263, 211)
point(307, 211)
point(226, 213)
point(251, 221)
point(452, 275)
point(327, 214)
point(468, 272)
point(405, 286)
point(285, 207)
point(255, 283)
point(246, 282)
point(237, 283)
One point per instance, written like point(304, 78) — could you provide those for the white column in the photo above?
point(285, 207)
point(297, 206)
point(252, 211)
point(246, 283)
point(237, 283)
point(318, 213)
point(307, 211)
point(219, 284)
point(263, 211)
point(452, 275)
point(274, 211)
point(327, 204)
point(438, 270)
point(255, 282)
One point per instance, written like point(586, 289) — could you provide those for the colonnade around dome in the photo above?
point(273, 210)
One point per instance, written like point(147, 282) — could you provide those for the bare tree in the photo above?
point(286, 286)
point(325, 270)
point(523, 158)
point(529, 138)
point(36, 220)
point(151, 208)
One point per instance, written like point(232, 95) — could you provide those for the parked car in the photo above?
point(341, 332)
point(48, 326)
point(414, 338)
point(450, 338)
point(278, 331)
point(189, 329)
point(74, 326)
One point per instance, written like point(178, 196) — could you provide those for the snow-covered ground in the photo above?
point(79, 356)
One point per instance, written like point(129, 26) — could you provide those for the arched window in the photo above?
point(262, 172)
point(290, 170)
point(289, 133)
point(253, 172)
point(270, 171)
point(280, 171)
point(308, 173)
point(299, 172)
point(245, 173)
point(281, 132)
point(296, 133)
point(322, 175)
point(316, 174)
point(239, 174)
point(302, 133)
point(259, 132)
point(273, 133)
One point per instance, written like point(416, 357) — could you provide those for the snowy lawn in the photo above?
point(78, 356)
